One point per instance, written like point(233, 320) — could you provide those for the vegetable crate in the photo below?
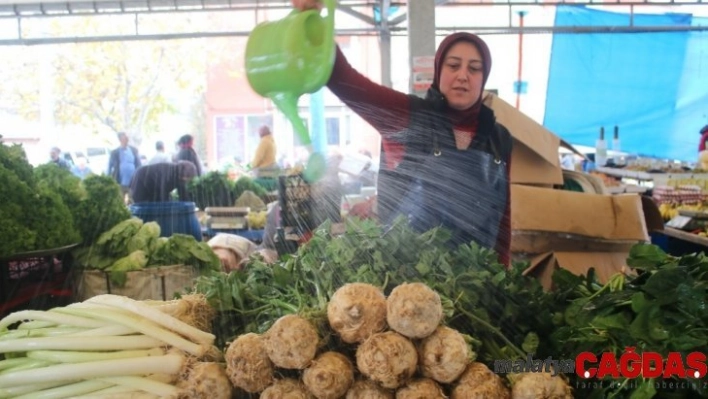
point(153, 283)
point(296, 204)
point(37, 280)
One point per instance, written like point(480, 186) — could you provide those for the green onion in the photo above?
point(31, 364)
point(155, 315)
point(10, 363)
point(144, 384)
point(105, 331)
point(40, 332)
point(80, 343)
point(67, 391)
point(145, 326)
point(13, 392)
point(49, 317)
point(81, 357)
point(31, 325)
point(170, 364)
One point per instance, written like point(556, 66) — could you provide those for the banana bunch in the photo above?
point(257, 220)
point(668, 211)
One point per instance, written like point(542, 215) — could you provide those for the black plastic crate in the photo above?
point(296, 204)
point(35, 280)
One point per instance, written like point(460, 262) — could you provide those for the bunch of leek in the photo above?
point(110, 346)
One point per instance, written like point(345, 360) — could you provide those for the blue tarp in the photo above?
point(653, 86)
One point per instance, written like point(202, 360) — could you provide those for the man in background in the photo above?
point(56, 158)
point(160, 156)
point(264, 159)
point(123, 163)
point(81, 168)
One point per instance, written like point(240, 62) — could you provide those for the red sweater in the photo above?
point(702, 144)
point(387, 110)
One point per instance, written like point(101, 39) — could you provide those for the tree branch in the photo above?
point(149, 95)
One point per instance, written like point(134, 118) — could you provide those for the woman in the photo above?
point(704, 137)
point(445, 160)
point(155, 183)
point(187, 153)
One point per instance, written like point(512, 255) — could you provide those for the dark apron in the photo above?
point(465, 191)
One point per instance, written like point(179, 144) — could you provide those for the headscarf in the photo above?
point(466, 117)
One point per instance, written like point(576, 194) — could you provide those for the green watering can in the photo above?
point(291, 57)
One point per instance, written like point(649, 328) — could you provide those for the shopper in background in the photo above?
point(123, 163)
point(160, 155)
point(81, 168)
point(704, 137)
point(264, 159)
point(56, 158)
point(445, 161)
point(233, 250)
point(155, 183)
point(187, 153)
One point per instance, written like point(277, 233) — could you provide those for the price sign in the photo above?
point(679, 222)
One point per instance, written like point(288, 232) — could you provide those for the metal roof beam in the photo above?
point(354, 13)
point(395, 31)
point(397, 20)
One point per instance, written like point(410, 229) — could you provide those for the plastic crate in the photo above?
point(35, 280)
point(296, 204)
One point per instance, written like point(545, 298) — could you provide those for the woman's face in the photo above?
point(461, 76)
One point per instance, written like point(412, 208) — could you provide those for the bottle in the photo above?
point(601, 150)
point(616, 140)
point(619, 158)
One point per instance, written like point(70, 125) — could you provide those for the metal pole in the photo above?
point(521, 57)
point(385, 44)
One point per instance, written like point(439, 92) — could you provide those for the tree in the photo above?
point(114, 86)
point(19, 93)
point(122, 86)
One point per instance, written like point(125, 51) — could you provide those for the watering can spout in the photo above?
point(287, 104)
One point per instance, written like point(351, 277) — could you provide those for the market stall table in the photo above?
point(678, 242)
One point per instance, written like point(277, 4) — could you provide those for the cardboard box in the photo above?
point(554, 229)
point(153, 283)
point(609, 217)
point(606, 264)
point(535, 242)
point(534, 158)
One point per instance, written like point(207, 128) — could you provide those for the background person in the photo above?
point(160, 155)
point(187, 153)
point(123, 163)
point(155, 183)
point(264, 158)
point(56, 158)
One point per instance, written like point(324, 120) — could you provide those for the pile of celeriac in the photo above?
point(385, 348)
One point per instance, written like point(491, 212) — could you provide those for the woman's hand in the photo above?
point(303, 5)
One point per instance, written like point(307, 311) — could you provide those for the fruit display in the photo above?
point(257, 220)
point(608, 181)
point(671, 210)
point(661, 167)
